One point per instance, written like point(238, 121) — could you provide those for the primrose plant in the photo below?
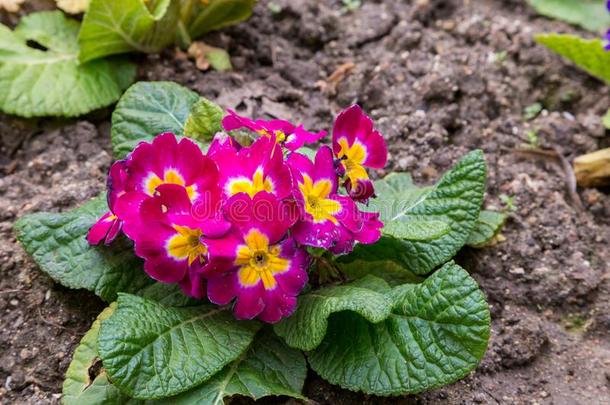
point(236, 247)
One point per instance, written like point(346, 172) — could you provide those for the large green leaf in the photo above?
point(437, 333)
point(204, 120)
point(268, 367)
point(151, 351)
point(79, 387)
point(489, 224)
point(202, 18)
point(588, 54)
point(50, 81)
point(306, 328)
point(455, 200)
point(589, 14)
point(391, 272)
point(56, 241)
point(118, 26)
point(416, 229)
point(148, 109)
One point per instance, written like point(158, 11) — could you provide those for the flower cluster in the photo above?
point(234, 223)
point(607, 35)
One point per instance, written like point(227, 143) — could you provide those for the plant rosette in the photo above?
point(228, 263)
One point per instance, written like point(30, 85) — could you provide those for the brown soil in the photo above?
point(440, 78)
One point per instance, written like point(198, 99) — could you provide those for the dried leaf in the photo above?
point(207, 56)
point(330, 84)
point(73, 6)
point(12, 6)
point(593, 169)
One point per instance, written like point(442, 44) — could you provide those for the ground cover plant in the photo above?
point(249, 255)
point(439, 79)
point(54, 65)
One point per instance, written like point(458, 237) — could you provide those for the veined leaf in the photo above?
point(148, 109)
point(51, 82)
point(204, 120)
point(591, 15)
point(588, 54)
point(389, 271)
point(268, 367)
point(78, 387)
point(201, 18)
point(490, 223)
point(437, 333)
point(306, 328)
point(455, 200)
point(151, 351)
point(416, 229)
point(56, 241)
point(118, 26)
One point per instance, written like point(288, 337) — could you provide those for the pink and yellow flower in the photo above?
point(250, 170)
point(358, 145)
point(287, 134)
point(269, 270)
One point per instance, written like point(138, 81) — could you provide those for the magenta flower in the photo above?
point(173, 242)
point(250, 170)
point(358, 145)
point(109, 225)
point(290, 136)
point(167, 161)
point(326, 217)
point(269, 270)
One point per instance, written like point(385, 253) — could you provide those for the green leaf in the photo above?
point(78, 387)
point(306, 328)
point(216, 15)
point(268, 367)
point(606, 119)
point(151, 351)
point(437, 333)
point(219, 59)
point(119, 26)
point(455, 200)
point(56, 242)
point(591, 15)
point(588, 54)
point(51, 82)
point(416, 229)
point(488, 226)
point(391, 272)
point(170, 295)
point(148, 109)
point(204, 120)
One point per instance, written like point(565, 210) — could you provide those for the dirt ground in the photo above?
point(440, 78)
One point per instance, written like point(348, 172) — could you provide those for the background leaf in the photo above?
point(151, 351)
point(112, 27)
point(306, 328)
point(56, 241)
point(51, 82)
point(437, 333)
point(591, 15)
point(268, 367)
point(606, 119)
point(489, 224)
point(588, 54)
point(204, 120)
point(455, 200)
point(217, 14)
point(78, 388)
point(148, 109)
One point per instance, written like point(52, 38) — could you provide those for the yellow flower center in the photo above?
point(186, 244)
point(352, 158)
point(250, 186)
point(170, 176)
point(258, 261)
point(317, 202)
